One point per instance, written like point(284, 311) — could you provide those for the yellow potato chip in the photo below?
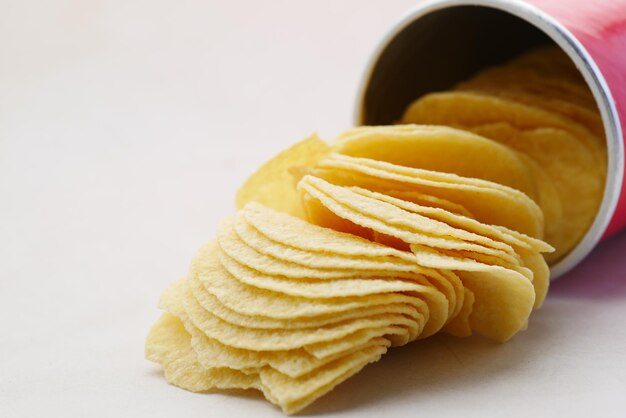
point(469, 109)
point(460, 325)
point(589, 118)
point(213, 305)
point(490, 260)
point(548, 197)
point(439, 148)
point(491, 233)
point(516, 210)
point(298, 233)
point(183, 369)
point(396, 335)
point(316, 259)
point(386, 218)
point(549, 61)
point(232, 245)
point(503, 300)
point(314, 288)
point(451, 286)
point(534, 82)
point(423, 199)
point(447, 227)
point(169, 344)
point(295, 394)
point(269, 340)
point(541, 274)
point(273, 184)
point(571, 169)
point(437, 295)
point(295, 363)
point(253, 301)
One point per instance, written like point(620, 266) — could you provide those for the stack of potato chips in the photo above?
point(539, 106)
point(390, 234)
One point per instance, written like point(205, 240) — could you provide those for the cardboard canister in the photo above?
point(442, 42)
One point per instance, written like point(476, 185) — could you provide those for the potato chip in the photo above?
point(400, 143)
point(438, 294)
point(273, 184)
point(549, 61)
point(548, 198)
point(232, 245)
point(460, 325)
point(295, 363)
point(469, 109)
point(253, 301)
point(497, 291)
point(589, 118)
point(516, 210)
point(490, 260)
point(213, 305)
point(169, 344)
point(439, 148)
point(423, 199)
point(315, 259)
point(386, 218)
point(570, 168)
point(315, 288)
point(445, 228)
point(293, 315)
point(533, 82)
point(295, 394)
point(269, 340)
point(297, 233)
point(541, 274)
point(183, 369)
point(500, 234)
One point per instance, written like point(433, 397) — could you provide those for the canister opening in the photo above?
point(438, 50)
point(443, 42)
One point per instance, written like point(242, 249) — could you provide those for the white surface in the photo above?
point(125, 127)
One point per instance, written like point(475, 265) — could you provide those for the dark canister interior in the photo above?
point(438, 50)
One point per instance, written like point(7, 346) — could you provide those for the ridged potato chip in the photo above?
point(469, 109)
point(169, 344)
point(250, 300)
point(438, 148)
point(589, 118)
point(295, 363)
point(532, 81)
point(572, 171)
point(214, 354)
point(388, 219)
point(516, 210)
point(273, 183)
point(549, 61)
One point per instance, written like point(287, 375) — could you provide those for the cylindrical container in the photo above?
point(442, 42)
